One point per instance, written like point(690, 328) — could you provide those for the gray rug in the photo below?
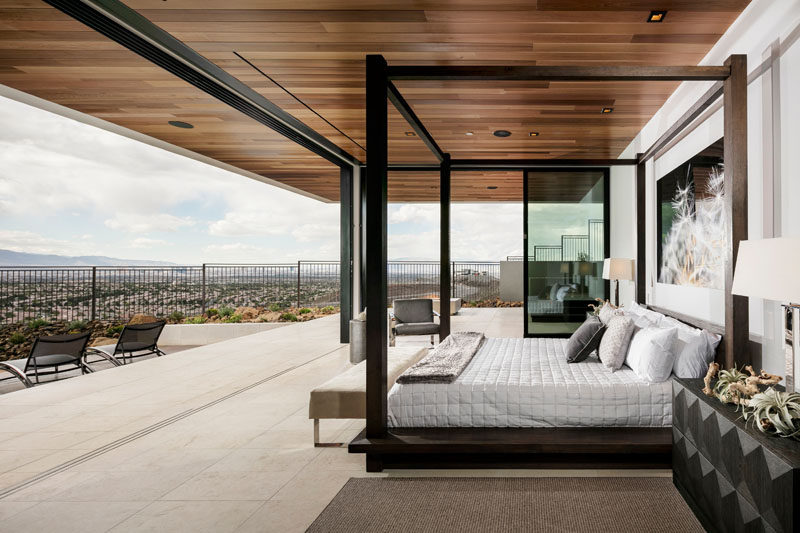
point(507, 504)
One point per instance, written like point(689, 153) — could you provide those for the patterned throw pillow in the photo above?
point(585, 340)
point(615, 341)
point(607, 312)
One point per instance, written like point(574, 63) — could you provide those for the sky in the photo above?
point(68, 188)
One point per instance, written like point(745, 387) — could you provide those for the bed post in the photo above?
point(641, 231)
point(737, 323)
point(444, 248)
point(377, 141)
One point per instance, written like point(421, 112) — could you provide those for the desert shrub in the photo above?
point(212, 312)
point(176, 316)
point(276, 307)
point(114, 330)
point(16, 338)
point(288, 317)
point(226, 312)
point(37, 323)
point(77, 325)
point(234, 318)
point(328, 309)
point(196, 320)
point(304, 311)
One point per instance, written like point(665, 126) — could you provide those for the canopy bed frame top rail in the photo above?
point(603, 446)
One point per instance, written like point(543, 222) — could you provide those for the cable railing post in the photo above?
point(203, 297)
point(298, 284)
point(94, 293)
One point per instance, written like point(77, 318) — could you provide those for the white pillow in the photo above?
point(694, 349)
point(650, 354)
point(634, 309)
point(562, 292)
point(554, 290)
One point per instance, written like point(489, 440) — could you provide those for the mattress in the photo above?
point(545, 307)
point(528, 383)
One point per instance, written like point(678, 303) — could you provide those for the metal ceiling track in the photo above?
point(133, 31)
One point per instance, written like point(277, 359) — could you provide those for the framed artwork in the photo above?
point(691, 221)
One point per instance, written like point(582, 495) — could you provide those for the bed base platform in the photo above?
point(609, 447)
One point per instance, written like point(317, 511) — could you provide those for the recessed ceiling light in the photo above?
point(179, 124)
point(410, 134)
point(656, 16)
point(492, 187)
point(533, 134)
point(502, 133)
point(607, 110)
point(469, 134)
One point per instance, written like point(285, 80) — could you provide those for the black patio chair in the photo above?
point(48, 356)
point(412, 317)
point(136, 340)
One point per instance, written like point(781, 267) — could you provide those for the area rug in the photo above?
point(507, 504)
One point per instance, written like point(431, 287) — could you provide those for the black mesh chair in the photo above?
point(49, 356)
point(136, 340)
point(413, 317)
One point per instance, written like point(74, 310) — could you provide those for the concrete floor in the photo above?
point(215, 438)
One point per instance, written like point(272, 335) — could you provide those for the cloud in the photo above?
point(415, 213)
point(144, 242)
point(146, 223)
point(30, 242)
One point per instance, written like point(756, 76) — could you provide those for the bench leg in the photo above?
point(318, 444)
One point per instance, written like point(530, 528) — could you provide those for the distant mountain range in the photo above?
point(9, 258)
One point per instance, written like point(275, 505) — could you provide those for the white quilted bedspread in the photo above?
point(528, 383)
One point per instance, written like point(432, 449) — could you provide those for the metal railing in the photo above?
point(116, 293)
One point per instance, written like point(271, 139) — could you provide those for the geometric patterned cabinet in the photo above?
point(732, 476)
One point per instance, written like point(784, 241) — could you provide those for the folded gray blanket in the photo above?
point(446, 362)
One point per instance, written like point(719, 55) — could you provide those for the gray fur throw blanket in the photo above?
point(446, 362)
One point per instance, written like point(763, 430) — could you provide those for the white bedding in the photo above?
point(528, 383)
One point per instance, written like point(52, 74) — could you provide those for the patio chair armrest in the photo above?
point(436, 313)
point(100, 353)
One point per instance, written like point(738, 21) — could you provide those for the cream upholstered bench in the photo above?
point(345, 396)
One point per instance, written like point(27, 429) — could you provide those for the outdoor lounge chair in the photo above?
point(136, 340)
point(413, 317)
point(51, 353)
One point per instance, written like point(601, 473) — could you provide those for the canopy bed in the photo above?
point(543, 411)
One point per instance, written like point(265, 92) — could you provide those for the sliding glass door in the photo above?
point(566, 239)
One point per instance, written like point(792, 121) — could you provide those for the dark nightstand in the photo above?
point(734, 477)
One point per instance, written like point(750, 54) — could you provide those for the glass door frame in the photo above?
point(606, 236)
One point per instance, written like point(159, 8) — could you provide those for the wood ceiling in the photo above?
point(317, 53)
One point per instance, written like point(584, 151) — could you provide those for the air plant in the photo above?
point(775, 412)
point(725, 379)
point(600, 303)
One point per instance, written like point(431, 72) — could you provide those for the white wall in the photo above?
point(623, 223)
point(763, 23)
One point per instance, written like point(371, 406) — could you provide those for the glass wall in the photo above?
point(566, 240)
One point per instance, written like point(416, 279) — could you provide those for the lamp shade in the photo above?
point(585, 268)
point(768, 269)
point(618, 269)
point(565, 268)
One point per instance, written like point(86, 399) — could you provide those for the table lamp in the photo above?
point(617, 269)
point(770, 269)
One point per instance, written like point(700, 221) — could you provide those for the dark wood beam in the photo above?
point(705, 101)
point(444, 248)
point(641, 235)
point(522, 164)
point(376, 194)
point(737, 319)
point(559, 73)
point(413, 120)
point(345, 252)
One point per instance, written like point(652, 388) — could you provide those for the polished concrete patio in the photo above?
point(215, 438)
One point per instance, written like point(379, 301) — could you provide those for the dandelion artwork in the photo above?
point(692, 222)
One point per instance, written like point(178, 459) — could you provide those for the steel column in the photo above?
point(641, 237)
point(345, 252)
point(444, 248)
point(376, 190)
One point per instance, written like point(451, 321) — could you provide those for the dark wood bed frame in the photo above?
point(533, 447)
